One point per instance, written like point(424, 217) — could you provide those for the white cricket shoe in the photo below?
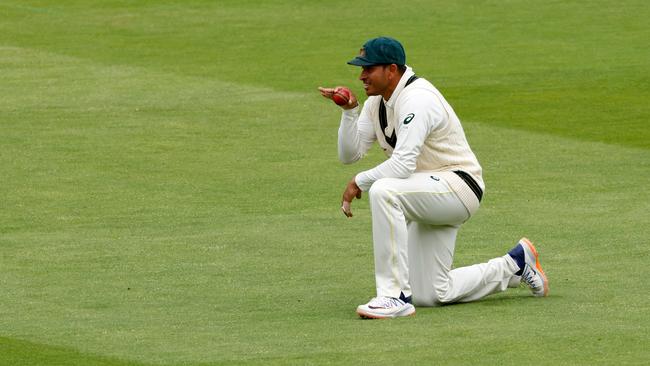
point(533, 274)
point(383, 307)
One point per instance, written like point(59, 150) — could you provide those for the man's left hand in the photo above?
point(351, 191)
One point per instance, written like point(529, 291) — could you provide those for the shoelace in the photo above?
point(529, 277)
point(385, 302)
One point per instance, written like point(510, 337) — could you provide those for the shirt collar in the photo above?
point(390, 103)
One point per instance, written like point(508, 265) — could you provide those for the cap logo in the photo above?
point(362, 52)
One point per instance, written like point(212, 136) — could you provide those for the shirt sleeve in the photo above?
point(356, 135)
point(418, 115)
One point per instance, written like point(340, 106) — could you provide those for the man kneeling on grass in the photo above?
point(430, 184)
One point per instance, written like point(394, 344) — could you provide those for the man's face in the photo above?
point(375, 79)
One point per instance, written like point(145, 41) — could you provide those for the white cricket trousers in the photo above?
point(414, 227)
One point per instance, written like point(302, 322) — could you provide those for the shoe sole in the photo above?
point(365, 315)
point(538, 265)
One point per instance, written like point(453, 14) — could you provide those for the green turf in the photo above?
point(169, 185)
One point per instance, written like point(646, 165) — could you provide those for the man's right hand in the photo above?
point(329, 92)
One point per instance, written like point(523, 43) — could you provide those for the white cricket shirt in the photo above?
point(429, 136)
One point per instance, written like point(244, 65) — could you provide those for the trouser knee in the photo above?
point(432, 298)
point(444, 295)
point(380, 191)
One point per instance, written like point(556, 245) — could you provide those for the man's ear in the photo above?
point(393, 70)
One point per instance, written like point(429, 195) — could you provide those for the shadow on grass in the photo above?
point(17, 352)
point(521, 298)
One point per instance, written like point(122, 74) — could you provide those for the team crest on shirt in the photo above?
point(409, 118)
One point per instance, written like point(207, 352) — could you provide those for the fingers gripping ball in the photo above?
point(341, 96)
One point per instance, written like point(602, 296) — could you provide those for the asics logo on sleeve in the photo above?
point(409, 118)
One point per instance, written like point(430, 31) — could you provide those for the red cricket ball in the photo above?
point(341, 96)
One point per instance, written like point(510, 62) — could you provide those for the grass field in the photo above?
point(169, 185)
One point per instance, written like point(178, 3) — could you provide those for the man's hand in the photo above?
point(329, 93)
point(351, 191)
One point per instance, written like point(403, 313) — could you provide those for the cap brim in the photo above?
point(358, 61)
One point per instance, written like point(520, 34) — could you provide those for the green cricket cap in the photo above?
point(380, 51)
